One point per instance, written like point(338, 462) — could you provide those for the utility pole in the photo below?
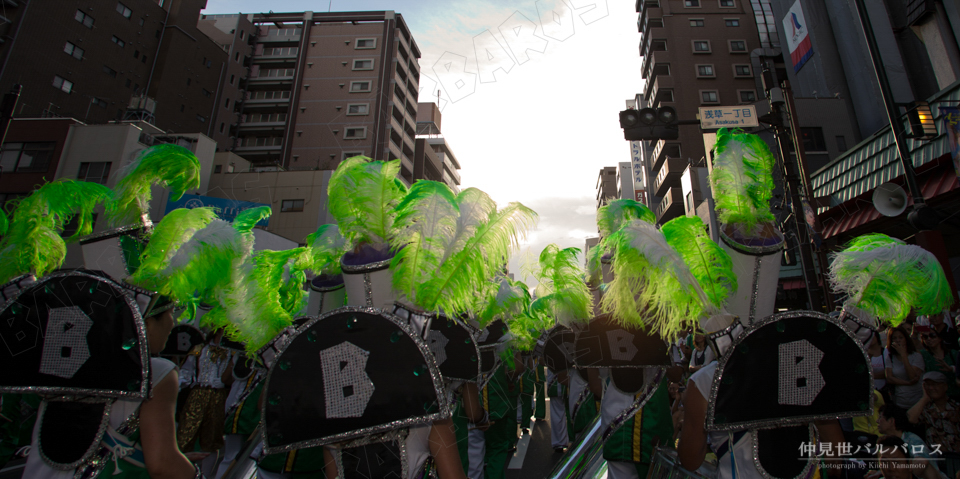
point(801, 162)
point(793, 186)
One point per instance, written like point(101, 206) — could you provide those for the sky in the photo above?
point(535, 119)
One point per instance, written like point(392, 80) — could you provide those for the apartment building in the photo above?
point(326, 86)
point(107, 60)
point(695, 53)
point(607, 186)
point(433, 159)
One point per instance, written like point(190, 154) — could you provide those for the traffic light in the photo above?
point(650, 124)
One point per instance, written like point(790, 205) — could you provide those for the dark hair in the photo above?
point(899, 416)
point(894, 442)
point(906, 336)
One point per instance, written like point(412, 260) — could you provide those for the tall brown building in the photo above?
point(696, 53)
point(326, 86)
point(92, 59)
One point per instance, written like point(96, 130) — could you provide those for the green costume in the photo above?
point(460, 427)
point(244, 418)
point(499, 399)
point(528, 381)
point(635, 439)
point(17, 416)
point(540, 411)
point(588, 409)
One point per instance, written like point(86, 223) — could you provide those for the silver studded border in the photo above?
point(443, 411)
point(710, 424)
point(128, 294)
point(91, 450)
point(807, 469)
point(111, 233)
point(756, 287)
point(364, 268)
point(639, 402)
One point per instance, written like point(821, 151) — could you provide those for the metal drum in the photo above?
point(666, 466)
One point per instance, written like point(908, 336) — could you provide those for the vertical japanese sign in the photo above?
point(951, 123)
point(798, 40)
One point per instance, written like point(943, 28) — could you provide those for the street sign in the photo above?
point(713, 118)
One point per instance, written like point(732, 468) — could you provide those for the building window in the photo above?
point(291, 206)
point(218, 168)
point(236, 57)
point(118, 41)
point(201, 118)
point(95, 172)
point(227, 103)
point(748, 96)
point(741, 70)
point(709, 96)
point(221, 127)
point(73, 50)
point(813, 139)
point(62, 84)
point(355, 133)
point(727, 4)
point(83, 18)
point(141, 22)
point(359, 86)
point(136, 54)
point(26, 157)
point(661, 69)
point(365, 43)
point(658, 46)
point(691, 3)
point(696, 22)
point(182, 106)
point(109, 71)
point(665, 96)
point(206, 93)
point(732, 22)
point(655, 23)
point(143, 59)
point(232, 78)
point(123, 10)
point(358, 109)
point(701, 46)
point(99, 102)
point(189, 81)
point(269, 95)
point(351, 154)
point(363, 64)
point(705, 71)
point(738, 46)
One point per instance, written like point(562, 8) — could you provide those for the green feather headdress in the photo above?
point(33, 243)
point(610, 218)
point(742, 180)
point(325, 247)
point(887, 278)
point(447, 249)
point(658, 288)
point(170, 166)
point(175, 229)
point(363, 195)
point(506, 299)
point(561, 292)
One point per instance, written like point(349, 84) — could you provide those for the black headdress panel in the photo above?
point(183, 337)
point(489, 343)
point(790, 368)
point(606, 344)
point(556, 347)
point(75, 333)
point(454, 346)
point(350, 373)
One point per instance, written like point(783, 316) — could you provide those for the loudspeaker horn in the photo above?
point(890, 199)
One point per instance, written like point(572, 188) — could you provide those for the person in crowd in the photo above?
point(893, 461)
point(558, 409)
point(893, 422)
point(210, 370)
point(949, 337)
point(868, 426)
point(937, 357)
point(940, 417)
point(157, 444)
point(904, 366)
point(875, 350)
point(700, 354)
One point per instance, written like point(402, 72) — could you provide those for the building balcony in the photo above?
point(258, 148)
point(651, 33)
point(663, 150)
point(646, 9)
point(266, 102)
point(671, 206)
point(278, 38)
point(661, 81)
point(449, 169)
point(669, 175)
point(652, 58)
